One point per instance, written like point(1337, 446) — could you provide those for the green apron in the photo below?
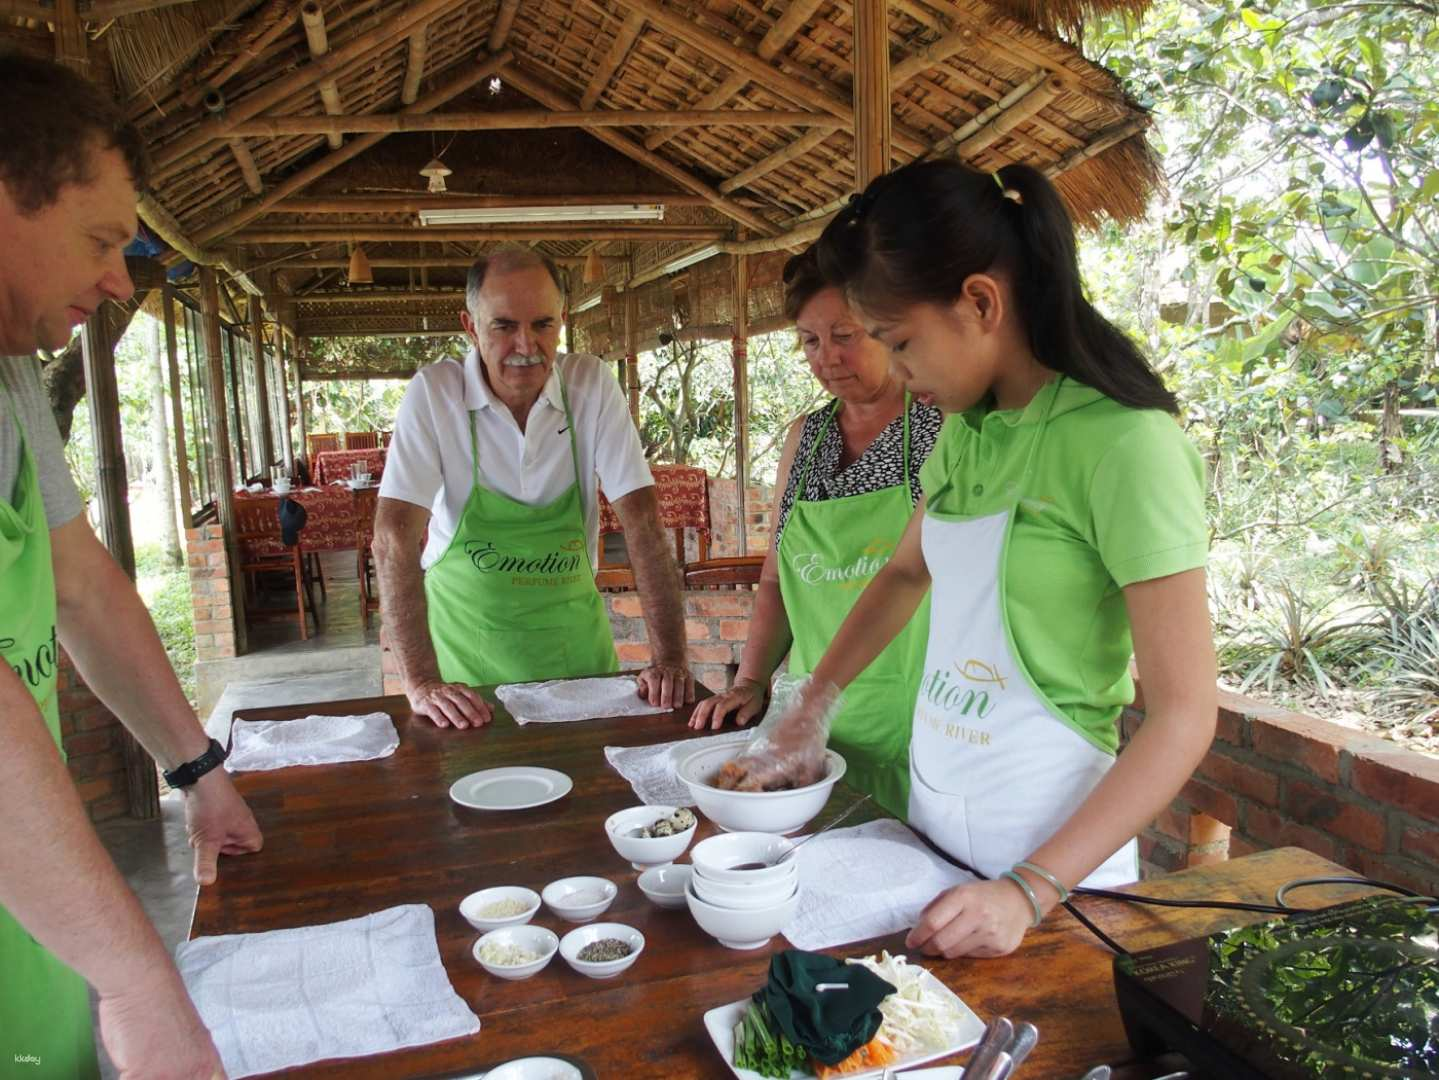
point(45, 1026)
point(513, 597)
point(829, 552)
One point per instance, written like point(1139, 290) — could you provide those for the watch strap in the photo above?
point(184, 775)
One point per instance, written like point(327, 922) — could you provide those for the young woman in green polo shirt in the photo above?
point(1062, 530)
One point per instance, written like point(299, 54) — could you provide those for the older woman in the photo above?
point(849, 473)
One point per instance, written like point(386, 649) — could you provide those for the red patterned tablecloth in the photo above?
point(684, 499)
point(332, 465)
point(329, 519)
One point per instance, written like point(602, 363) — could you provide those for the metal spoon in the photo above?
point(1099, 1072)
point(820, 832)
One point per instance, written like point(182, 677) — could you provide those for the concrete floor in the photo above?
point(341, 661)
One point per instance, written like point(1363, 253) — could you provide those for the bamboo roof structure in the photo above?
point(287, 132)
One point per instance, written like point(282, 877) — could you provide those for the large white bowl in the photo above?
point(716, 857)
point(754, 811)
point(575, 940)
point(567, 897)
point(665, 885)
point(646, 851)
point(534, 938)
point(743, 897)
point(735, 929)
point(471, 906)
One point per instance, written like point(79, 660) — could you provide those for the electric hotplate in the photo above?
point(1348, 991)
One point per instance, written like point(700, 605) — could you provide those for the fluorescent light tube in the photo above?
point(585, 305)
point(492, 215)
point(680, 262)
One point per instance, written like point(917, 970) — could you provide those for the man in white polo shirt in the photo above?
point(501, 457)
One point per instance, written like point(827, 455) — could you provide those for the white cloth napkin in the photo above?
point(651, 769)
point(561, 701)
point(865, 882)
point(346, 989)
point(313, 740)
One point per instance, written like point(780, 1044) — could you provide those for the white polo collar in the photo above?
point(478, 394)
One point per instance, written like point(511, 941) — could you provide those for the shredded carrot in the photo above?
point(872, 1055)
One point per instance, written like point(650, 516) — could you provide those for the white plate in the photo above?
point(720, 1023)
point(515, 787)
point(534, 1068)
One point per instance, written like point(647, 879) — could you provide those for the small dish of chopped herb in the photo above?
point(602, 950)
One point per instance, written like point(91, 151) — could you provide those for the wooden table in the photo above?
point(330, 465)
point(347, 840)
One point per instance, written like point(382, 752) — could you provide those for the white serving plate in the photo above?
point(514, 787)
point(720, 1023)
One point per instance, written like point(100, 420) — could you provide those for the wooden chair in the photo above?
point(264, 551)
point(683, 492)
point(365, 504)
point(385, 439)
point(318, 444)
point(362, 440)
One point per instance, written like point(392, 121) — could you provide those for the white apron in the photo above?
point(994, 770)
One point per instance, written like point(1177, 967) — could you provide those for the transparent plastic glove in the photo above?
point(787, 748)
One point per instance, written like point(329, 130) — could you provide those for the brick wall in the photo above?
point(724, 534)
point(716, 625)
point(91, 735)
point(210, 592)
point(1276, 778)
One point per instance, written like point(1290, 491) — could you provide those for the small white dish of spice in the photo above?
point(516, 952)
point(602, 950)
point(580, 899)
point(501, 905)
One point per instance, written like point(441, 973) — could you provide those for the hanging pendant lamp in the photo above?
point(360, 273)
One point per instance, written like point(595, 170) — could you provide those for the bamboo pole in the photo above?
point(224, 478)
point(381, 296)
point(629, 30)
point(732, 56)
point(313, 17)
point(413, 204)
point(1103, 141)
point(302, 350)
point(976, 122)
point(438, 262)
point(321, 234)
point(538, 91)
point(333, 160)
point(732, 85)
point(262, 380)
point(504, 22)
point(265, 26)
point(177, 405)
point(740, 359)
point(415, 66)
point(931, 56)
point(1008, 119)
point(169, 230)
point(171, 157)
point(532, 119)
point(871, 91)
point(111, 484)
point(102, 11)
point(70, 40)
point(632, 353)
point(282, 354)
point(246, 161)
point(797, 149)
point(27, 9)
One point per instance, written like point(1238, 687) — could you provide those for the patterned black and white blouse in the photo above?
point(880, 466)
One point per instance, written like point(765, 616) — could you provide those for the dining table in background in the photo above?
point(332, 465)
point(348, 840)
point(330, 515)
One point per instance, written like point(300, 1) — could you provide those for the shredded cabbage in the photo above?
point(917, 1018)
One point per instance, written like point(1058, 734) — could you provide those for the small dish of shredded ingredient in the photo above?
point(503, 909)
point(677, 822)
point(605, 949)
point(504, 954)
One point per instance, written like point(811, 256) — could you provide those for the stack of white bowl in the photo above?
point(743, 909)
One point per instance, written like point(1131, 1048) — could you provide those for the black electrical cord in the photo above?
point(1279, 907)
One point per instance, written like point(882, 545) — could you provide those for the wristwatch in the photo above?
point(184, 775)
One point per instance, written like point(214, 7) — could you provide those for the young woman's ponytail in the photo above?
point(917, 233)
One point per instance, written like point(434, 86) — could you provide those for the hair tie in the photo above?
point(1008, 192)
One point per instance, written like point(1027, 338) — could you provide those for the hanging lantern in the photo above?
point(436, 171)
point(594, 269)
point(360, 273)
